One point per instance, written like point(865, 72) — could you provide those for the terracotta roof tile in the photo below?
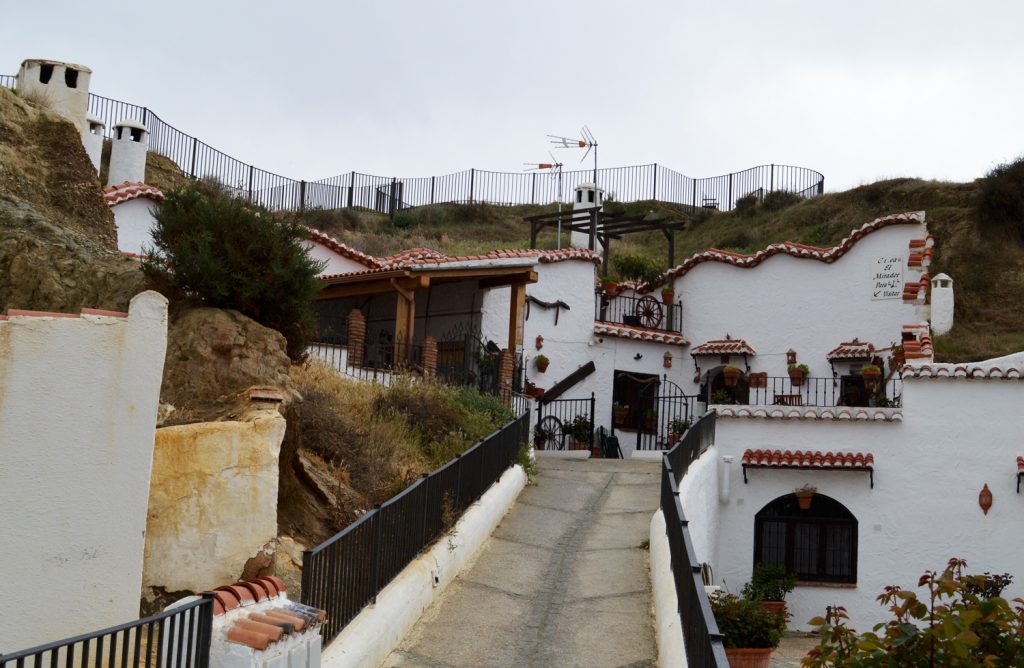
point(806, 459)
point(827, 255)
point(977, 371)
point(726, 346)
point(639, 333)
point(837, 413)
point(1020, 464)
point(852, 350)
point(114, 195)
point(326, 240)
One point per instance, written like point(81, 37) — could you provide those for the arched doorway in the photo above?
point(819, 544)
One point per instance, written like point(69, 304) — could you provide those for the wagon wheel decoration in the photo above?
point(553, 437)
point(648, 312)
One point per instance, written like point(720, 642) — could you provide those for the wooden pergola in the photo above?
point(405, 282)
point(602, 228)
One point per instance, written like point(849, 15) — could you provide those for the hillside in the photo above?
point(988, 268)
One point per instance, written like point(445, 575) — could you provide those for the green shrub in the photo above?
point(226, 253)
point(747, 204)
point(745, 623)
point(961, 621)
point(780, 199)
point(1000, 200)
point(636, 267)
point(770, 582)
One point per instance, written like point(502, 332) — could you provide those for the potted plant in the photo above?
point(722, 397)
point(677, 428)
point(610, 285)
point(621, 412)
point(731, 375)
point(797, 374)
point(769, 585)
point(871, 375)
point(650, 419)
point(540, 437)
point(749, 632)
point(804, 495)
point(582, 429)
point(668, 294)
point(542, 363)
point(852, 395)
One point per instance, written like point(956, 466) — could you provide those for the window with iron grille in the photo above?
point(819, 544)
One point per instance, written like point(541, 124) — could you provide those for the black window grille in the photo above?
point(819, 544)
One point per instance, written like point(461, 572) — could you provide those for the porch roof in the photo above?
point(852, 350)
point(726, 346)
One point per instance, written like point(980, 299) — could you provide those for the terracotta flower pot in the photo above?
point(538, 443)
point(804, 500)
point(611, 288)
point(542, 365)
point(749, 658)
point(620, 416)
point(731, 377)
point(650, 422)
point(796, 377)
point(668, 297)
point(595, 452)
point(774, 607)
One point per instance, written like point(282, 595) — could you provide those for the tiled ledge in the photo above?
point(834, 413)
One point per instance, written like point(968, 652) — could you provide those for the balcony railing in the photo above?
point(822, 392)
point(648, 311)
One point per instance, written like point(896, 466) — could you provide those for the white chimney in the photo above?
point(62, 87)
point(92, 139)
point(942, 304)
point(586, 197)
point(128, 153)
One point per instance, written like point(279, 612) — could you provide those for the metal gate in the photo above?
point(665, 413)
point(565, 424)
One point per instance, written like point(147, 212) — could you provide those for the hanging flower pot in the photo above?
point(650, 420)
point(797, 374)
point(871, 375)
point(804, 496)
point(731, 375)
point(668, 294)
point(542, 363)
point(610, 285)
point(620, 411)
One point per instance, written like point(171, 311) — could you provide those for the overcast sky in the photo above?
point(856, 90)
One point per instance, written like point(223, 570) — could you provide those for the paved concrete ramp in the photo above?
point(563, 582)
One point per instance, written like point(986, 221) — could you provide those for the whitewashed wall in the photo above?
point(134, 220)
point(698, 492)
point(78, 405)
point(803, 304)
point(72, 103)
point(955, 437)
point(336, 262)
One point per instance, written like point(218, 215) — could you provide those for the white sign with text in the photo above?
point(888, 278)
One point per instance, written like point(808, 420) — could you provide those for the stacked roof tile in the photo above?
point(837, 413)
point(726, 346)
point(129, 190)
point(852, 350)
point(326, 240)
point(827, 255)
point(947, 370)
point(638, 333)
point(806, 459)
point(917, 342)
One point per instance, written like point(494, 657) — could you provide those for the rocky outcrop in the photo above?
point(214, 357)
point(58, 243)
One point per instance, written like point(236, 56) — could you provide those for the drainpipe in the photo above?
point(725, 473)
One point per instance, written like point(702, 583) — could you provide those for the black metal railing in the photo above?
point(178, 638)
point(819, 392)
point(647, 311)
point(345, 573)
point(388, 194)
point(703, 641)
point(565, 424)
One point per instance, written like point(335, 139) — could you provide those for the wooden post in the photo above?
point(405, 312)
point(516, 313)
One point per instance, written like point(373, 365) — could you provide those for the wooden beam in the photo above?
point(370, 287)
point(405, 313)
point(516, 313)
point(475, 272)
point(500, 281)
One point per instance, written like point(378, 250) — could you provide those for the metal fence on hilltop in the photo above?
point(387, 194)
point(345, 573)
point(703, 641)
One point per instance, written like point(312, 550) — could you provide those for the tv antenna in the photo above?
point(555, 169)
point(587, 140)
